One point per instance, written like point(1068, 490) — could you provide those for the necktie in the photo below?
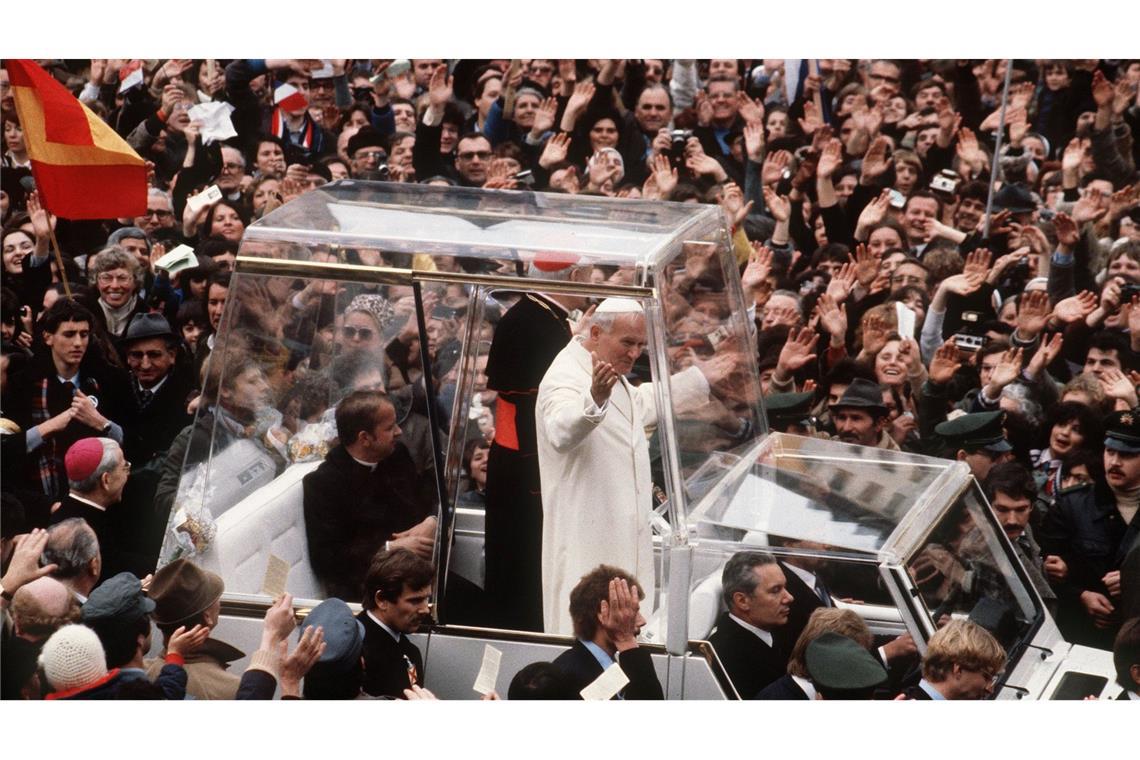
point(146, 396)
point(821, 592)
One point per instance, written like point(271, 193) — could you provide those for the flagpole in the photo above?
point(59, 262)
point(997, 148)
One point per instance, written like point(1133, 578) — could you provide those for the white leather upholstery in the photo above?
point(269, 521)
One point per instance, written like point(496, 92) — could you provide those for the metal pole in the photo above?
point(997, 147)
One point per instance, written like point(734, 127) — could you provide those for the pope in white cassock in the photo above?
point(593, 455)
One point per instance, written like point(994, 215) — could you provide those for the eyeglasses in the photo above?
point(351, 333)
point(542, 69)
point(138, 356)
point(370, 154)
point(108, 278)
point(722, 95)
point(161, 213)
point(482, 155)
point(233, 166)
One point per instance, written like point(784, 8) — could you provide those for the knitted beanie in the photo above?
point(73, 657)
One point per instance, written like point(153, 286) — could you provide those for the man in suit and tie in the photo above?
point(963, 661)
point(756, 594)
point(397, 599)
point(606, 609)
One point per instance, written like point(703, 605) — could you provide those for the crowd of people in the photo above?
point(901, 300)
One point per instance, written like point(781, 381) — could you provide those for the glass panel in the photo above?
point(705, 331)
point(288, 351)
point(474, 226)
point(963, 566)
point(848, 497)
point(814, 579)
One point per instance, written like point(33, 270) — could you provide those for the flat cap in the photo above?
point(970, 432)
point(343, 634)
point(120, 598)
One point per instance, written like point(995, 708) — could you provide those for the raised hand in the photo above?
point(555, 150)
point(833, 317)
point(754, 142)
point(963, 284)
point(619, 614)
point(875, 333)
point(1046, 353)
point(875, 161)
point(544, 117)
point(294, 666)
point(183, 642)
point(798, 350)
point(978, 262)
point(778, 205)
point(440, 87)
point(774, 167)
point(1073, 155)
point(874, 212)
point(1076, 308)
point(1007, 370)
point(732, 201)
point(704, 108)
point(604, 379)
point(1068, 233)
point(1088, 208)
point(946, 361)
point(665, 175)
point(1032, 314)
point(705, 165)
point(752, 111)
point(867, 264)
point(1123, 96)
point(841, 283)
point(1118, 386)
point(830, 159)
point(811, 120)
point(759, 266)
point(24, 566)
point(1102, 90)
point(1020, 95)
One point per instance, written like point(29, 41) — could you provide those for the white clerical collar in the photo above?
point(77, 497)
point(362, 463)
point(763, 635)
point(806, 685)
point(1134, 696)
point(394, 634)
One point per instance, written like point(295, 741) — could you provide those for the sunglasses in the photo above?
point(351, 333)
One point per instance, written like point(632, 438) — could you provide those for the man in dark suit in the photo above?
point(364, 497)
point(160, 387)
point(97, 471)
point(605, 609)
point(755, 591)
point(963, 661)
point(397, 599)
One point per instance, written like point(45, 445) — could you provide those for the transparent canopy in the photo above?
point(400, 289)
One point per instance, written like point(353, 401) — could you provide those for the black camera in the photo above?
point(679, 138)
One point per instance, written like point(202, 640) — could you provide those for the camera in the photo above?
point(679, 138)
point(946, 181)
point(1128, 292)
point(525, 178)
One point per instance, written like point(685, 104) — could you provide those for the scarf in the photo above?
point(280, 129)
point(117, 318)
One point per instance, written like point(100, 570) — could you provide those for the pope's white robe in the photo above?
point(596, 483)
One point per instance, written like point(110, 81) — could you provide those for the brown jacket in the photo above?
point(206, 671)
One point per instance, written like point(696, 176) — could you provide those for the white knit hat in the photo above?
point(73, 657)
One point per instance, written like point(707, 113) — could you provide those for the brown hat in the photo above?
point(182, 590)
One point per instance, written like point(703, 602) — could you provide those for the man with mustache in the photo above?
point(860, 416)
point(1088, 533)
point(1010, 490)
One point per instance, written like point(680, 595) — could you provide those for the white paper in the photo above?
point(324, 72)
point(612, 680)
point(215, 119)
point(133, 79)
point(207, 197)
point(906, 320)
point(180, 258)
point(489, 672)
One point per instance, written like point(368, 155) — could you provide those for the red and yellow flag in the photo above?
point(83, 169)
